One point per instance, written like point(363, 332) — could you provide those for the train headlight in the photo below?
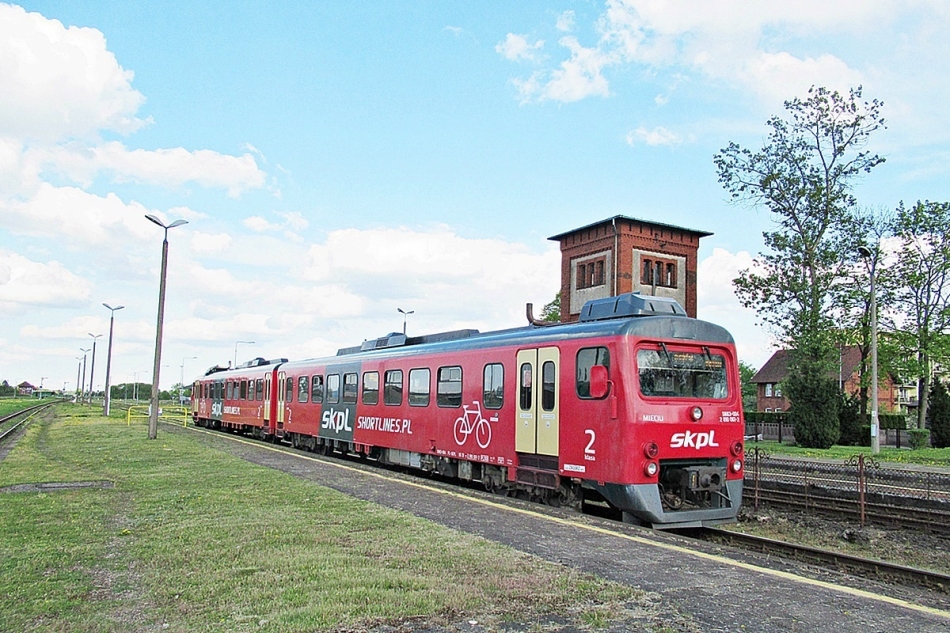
point(737, 448)
point(651, 469)
point(736, 465)
point(696, 413)
point(651, 450)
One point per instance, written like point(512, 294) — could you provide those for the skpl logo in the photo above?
point(336, 421)
point(693, 440)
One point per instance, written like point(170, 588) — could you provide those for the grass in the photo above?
point(11, 405)
point(192, 539)
point(922, 456)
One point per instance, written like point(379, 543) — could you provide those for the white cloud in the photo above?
point(208, 243)
point(751, 45)
point(656, 136)
point(177, 166)
point(516, 48)
point(717, 302)
point(565, 22)
point(259, 224)
point(76, 217)
point(61, 82)
point(27, 283)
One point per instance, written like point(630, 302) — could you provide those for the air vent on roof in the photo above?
point(629, 305)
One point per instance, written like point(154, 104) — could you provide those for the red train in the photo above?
point(636, 405)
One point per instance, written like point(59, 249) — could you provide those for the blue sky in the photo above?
point(336, 161)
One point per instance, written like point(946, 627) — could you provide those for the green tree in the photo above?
point(750, 399)
point(938, 415)
point(804, 176)
point(552, 311)
point(922, 302)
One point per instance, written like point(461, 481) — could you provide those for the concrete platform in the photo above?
point(722, 589)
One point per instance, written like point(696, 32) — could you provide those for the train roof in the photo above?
point(625, 315)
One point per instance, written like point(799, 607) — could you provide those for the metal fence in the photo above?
point(860, 481)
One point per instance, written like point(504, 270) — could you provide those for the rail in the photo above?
point(177, 414)
point(860, 486)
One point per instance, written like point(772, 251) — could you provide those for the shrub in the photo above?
point(814, 405)
point(938, 415)
point(919, 438)
point(852, 427)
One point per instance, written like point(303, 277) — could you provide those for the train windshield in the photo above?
point(681, 374)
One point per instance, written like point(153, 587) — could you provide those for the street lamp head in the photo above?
point(154, 219)
point(864, 252)
point(108, 307)
point(94, 336)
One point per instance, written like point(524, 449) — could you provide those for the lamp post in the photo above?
point(156, 368)
point(235, 348)
point(181, 384)
point(108, 402)
point(92, 366)
point(78, 369)
point(870, 258)
point(405, 315)
point(82, 394)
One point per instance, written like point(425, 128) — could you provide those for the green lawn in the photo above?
point(192, 539)
point(921, 456)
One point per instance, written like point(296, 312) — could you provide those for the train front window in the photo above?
point(682, 374)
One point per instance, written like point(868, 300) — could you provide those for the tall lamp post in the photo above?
point(870, 258)
point(235, 348)
point(82, 387)
point(156, 367)
point(405, 316)
point(92, 366)
point(181, 384)
point(108, 402)
point(78, 370)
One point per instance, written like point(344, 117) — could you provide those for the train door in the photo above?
point(537, 427)
point(281, 397)
point(268, 377)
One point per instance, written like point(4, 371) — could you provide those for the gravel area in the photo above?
point(912, 548)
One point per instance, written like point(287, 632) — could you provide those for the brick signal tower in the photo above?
point(620, 255)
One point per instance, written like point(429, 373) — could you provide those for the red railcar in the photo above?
point(636, 405)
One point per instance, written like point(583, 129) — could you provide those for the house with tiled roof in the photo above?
point(770, 378)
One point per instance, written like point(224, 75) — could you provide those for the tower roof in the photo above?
point(613, 219)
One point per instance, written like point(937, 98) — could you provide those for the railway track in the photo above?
point(864, 567)
point(918, 516)
point(9, 423)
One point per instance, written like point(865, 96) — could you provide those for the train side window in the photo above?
point(302, 391)
point(350, 388)
point(289, 397)
point(250, 389)
point(230, 390)
point(547, 386)
point(449, 389)
point(587, 358)
point(316, 389)
point(333, 388)
point(392, 388)
point(525, 398)
point(260, 388)
point(243, 390)
point(371, 387)
point(419, 387)
point(493, 386)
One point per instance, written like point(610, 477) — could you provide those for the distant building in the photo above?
point(25, 389)
point(769, 379)
point(622, 254)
